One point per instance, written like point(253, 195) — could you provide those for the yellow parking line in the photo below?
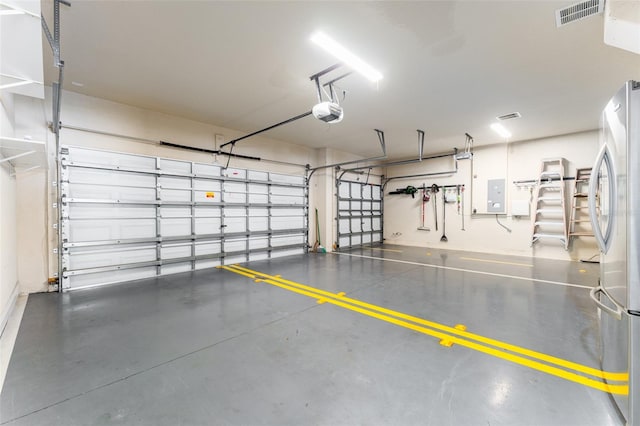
point(486, 340)
point(497, 261)
point(381, 249)
point(337, 300)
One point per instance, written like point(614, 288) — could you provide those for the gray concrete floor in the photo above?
point(213, 347)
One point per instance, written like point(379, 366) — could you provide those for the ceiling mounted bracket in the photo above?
point(330, 84)
point(467, 154)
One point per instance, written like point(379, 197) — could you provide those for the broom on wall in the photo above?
point(317, 246)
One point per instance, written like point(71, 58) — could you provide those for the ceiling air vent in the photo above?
point(578, 11)
point(509, 116)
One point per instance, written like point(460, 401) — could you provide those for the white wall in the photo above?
point(514, 162)
point(8, 236)
point(35, 194)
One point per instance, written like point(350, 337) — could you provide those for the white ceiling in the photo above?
point(449, 67)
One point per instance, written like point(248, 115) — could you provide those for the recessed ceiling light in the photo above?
point(501, 130)
point(344, 55)
point(75, 83)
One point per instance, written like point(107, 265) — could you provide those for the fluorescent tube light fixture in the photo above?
point(501, 130)
point(6, 12)
point(345, 56)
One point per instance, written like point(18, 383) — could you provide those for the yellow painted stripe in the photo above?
point(497, 261)
point(616, 389)
point(486, 340)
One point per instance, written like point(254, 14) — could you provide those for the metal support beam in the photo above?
point(380, 134)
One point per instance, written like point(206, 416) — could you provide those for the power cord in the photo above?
point(499, 223)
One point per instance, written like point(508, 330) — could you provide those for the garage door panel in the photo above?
point(258, 224)
point(181, 195)
point(115, 211)
point(343, 190)
point(175, 268)
point(230, 260)
point(173, 211)
point(366, 192)
point(111, 277)
point(175, 166)
point(288, 252)
point(207, 263)
point(109, 229)
point(113, 159)
point(356, 190)
point(208, 247)
point(176, 209)
point(256, 175)
point(208, 225)
point(287, 212)
point(232, 172)
point(107, 177)
point(287, 222)
point(207, 185)
point(235, 224)
point(287, 240)
point(85, 258)
point(235, 245)
point(235, 197)
point(175, 227)
point(173, 251)
point(258, 198)
point(173, 182)
point(110, 192)
point(258, 243)
point(207, 211)
point(287, 179)
point(200, 169)
point(207, 197)
point(360, 212)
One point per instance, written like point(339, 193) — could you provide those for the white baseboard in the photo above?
point(8, 309)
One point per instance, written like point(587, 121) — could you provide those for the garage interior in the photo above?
point(208, 216)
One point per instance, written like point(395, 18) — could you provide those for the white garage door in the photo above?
point(126, 217)
point(359, 213)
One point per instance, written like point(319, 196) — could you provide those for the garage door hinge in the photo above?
point(54, 183)
point(54, 205)
point(55, 226)
point(55, 251)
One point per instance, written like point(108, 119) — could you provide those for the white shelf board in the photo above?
point(12, 147)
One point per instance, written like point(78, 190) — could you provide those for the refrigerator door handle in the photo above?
point(595, 292)
point(604, 157)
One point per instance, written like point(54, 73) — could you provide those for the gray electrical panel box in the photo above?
point(496, 196)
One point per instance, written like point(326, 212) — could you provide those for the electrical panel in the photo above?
point(496, 196)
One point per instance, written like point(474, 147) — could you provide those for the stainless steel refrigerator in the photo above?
point(614, 205)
